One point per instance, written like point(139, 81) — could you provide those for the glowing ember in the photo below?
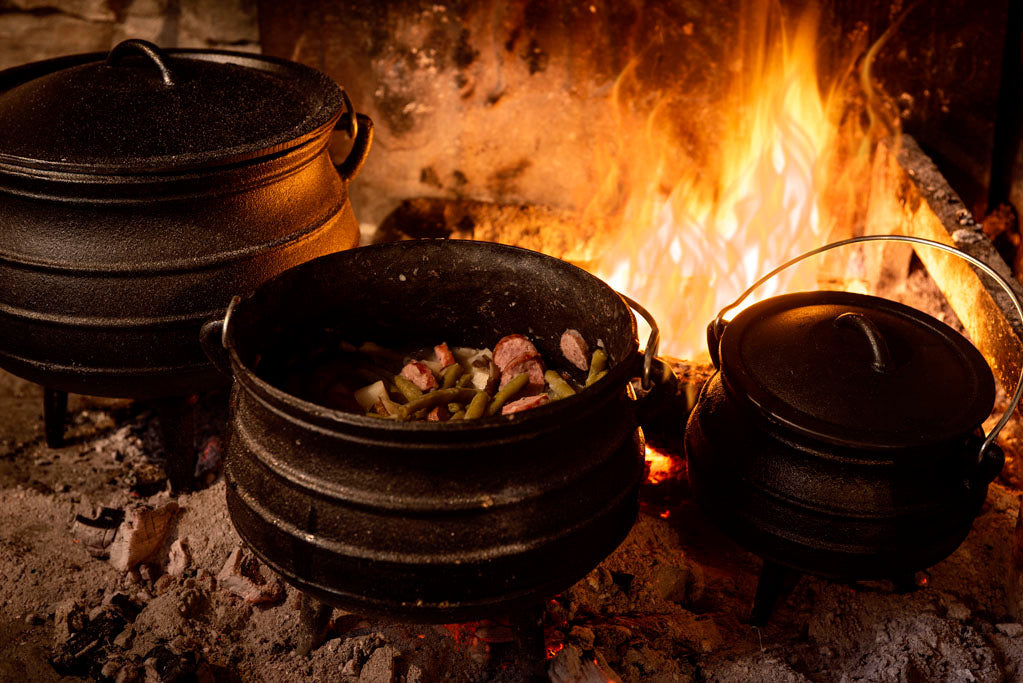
point(695, 228)
point(660, 466)
point(554, 649)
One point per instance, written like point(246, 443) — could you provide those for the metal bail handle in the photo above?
point(717, 326)
point(235, 300)
point(652, 342)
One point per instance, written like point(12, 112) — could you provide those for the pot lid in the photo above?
point(142, 109)
point(856, 370)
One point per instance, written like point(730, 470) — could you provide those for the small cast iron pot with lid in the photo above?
point(434, 521)
point(841, 434)
point(136, 186)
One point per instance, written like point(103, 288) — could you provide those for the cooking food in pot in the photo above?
point(411, 519)
point(437, 383)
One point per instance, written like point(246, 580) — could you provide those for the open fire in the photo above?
point(680, 189)
point(699, 215)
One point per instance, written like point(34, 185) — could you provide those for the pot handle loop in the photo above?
point(652, 342)
point(717, 326)
point(359, 128)
point(213, 337)
point(155, 55)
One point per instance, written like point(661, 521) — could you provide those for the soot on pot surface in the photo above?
point(437, 383)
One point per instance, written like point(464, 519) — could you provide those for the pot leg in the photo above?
point(527, 629)
point(769, 588)
point(313, 624)
point(54, 415)
point(177, 427)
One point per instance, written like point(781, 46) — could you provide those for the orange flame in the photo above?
point(660, 466)
point(694, 229)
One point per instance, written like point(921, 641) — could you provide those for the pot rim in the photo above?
point(611, 387)
point(317, 122)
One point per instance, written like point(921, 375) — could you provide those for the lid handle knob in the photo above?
point(147, 49)
point(878, 346)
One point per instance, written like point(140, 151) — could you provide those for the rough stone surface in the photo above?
point(31, 30)
point(669, 605)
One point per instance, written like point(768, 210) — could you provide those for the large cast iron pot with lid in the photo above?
point(433, 521)
point(138, 186)
point(841, 435)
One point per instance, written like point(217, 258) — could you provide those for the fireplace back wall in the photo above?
point(503, 101)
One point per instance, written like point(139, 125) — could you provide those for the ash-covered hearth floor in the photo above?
point(668, 605)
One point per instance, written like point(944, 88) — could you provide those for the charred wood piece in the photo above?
point(246, 577)
point(140, 535)
point(97, 534)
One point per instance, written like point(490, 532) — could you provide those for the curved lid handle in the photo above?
point(878, 346)
point(716, 327)
point(148, 50)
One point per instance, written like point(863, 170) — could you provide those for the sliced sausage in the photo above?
point(438, 414)
point(443, 355)
point(524, 404)
point(527, 362)
point(575, 349)
point(420, 375)
point(511, 347)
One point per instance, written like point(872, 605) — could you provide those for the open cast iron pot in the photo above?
point(138, 186)
point(428, 521)
point(841, 434)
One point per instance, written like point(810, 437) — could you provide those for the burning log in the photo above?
point(910, 196)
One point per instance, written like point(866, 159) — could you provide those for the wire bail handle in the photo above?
point(716, 328)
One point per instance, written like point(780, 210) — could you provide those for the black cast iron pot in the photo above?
point(138, 186)
point(426, 521)
point(841, 434)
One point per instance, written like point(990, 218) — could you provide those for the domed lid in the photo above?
point(855, 370)
point(139, 109)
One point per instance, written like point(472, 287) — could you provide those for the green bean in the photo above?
point(465, 380)
point(450, 375)
point(513, 387)
point(390, 406)
point(455, 407)
point(559, 386)
point(457, 415)
point(597, 364)
point(433, 399)
point(477, 406)
point(409, 390)
point(594, 378)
